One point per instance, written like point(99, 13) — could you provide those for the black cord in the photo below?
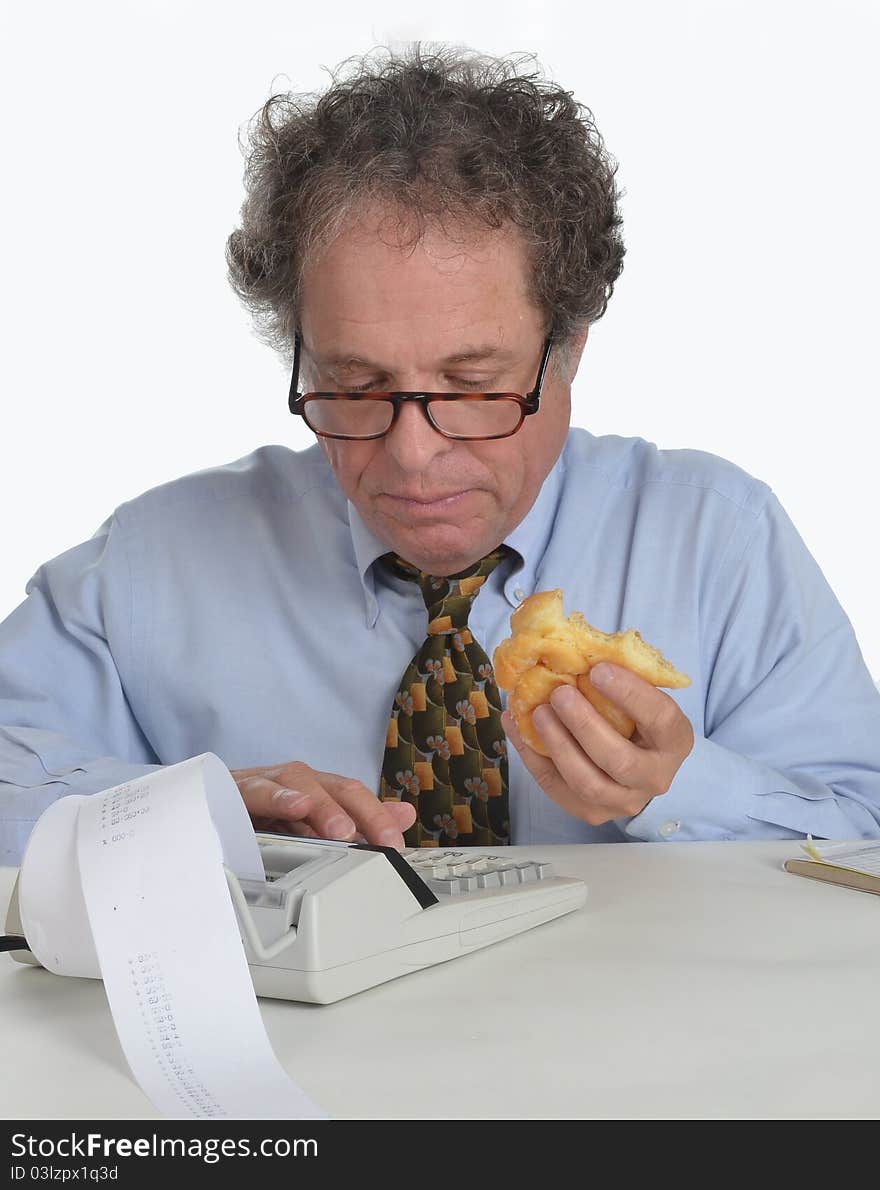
point(13, 942)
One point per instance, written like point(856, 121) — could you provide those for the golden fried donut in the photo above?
point(547, 649)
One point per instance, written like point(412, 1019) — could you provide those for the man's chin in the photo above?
point(436, 551)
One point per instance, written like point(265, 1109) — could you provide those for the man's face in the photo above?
point(446, 315)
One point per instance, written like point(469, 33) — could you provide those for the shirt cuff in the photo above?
point(718, 794)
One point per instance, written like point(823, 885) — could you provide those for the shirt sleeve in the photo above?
point(66, 725)
point(792, 717)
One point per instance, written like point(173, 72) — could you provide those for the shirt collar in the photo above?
point(529, 540)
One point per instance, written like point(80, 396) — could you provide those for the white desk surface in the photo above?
point(700, 981)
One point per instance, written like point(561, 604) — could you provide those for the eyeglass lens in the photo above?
point(465, 418)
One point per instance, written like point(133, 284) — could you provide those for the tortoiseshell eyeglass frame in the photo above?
point(297, 402)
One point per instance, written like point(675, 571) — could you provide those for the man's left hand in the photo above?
point(593, 772)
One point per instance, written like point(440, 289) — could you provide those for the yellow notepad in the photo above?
point(855, 865)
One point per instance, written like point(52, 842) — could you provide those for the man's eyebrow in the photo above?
point(466, 355)
point(472, 354)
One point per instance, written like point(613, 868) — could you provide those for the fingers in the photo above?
point(573, 727)
point(309, 802)
point(293, 793)
point(660, 721)
point(282, 826)
point(541, 767)
point(595, 772)
point(664, 735)
point(382, 823)
point(585, 792)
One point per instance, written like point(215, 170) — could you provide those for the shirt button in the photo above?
point(519, 593)
point(668, 828)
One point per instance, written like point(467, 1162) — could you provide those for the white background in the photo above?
point(745, 322)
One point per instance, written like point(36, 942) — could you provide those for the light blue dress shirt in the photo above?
point(241, 611)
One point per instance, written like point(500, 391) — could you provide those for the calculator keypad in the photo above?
point(457, 872)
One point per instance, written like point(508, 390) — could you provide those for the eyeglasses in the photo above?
point(468, 417)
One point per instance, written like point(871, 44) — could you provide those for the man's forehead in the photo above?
point(460, 294)
point(435, 252)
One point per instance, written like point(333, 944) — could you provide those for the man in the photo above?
point(442, 225)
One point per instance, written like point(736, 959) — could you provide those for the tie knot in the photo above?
point(448, 597)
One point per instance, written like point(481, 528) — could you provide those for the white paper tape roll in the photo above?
point(128, 886)
point(53, 911)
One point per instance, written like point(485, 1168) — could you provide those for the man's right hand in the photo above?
point(298, 800)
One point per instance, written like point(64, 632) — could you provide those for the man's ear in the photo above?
point(570, 355)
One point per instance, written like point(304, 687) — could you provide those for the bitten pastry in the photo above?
point(547, 649)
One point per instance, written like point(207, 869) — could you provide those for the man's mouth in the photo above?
point(421, 504)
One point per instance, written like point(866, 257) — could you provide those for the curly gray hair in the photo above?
point(442, 133)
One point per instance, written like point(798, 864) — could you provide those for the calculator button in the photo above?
point(525, 873)
point(444, 884)
point(453, 872)
point(489, 880)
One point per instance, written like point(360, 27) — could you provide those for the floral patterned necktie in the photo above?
point(445, 750)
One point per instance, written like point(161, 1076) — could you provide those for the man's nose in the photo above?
point(413, 442)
